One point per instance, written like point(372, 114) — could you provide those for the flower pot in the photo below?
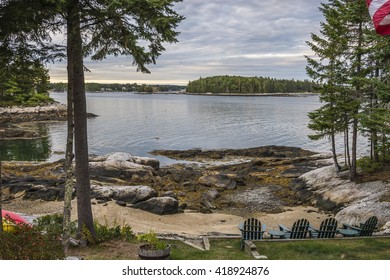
point(145, 252)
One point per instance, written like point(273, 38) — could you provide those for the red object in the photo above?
point(14, 217)
point(380, 13)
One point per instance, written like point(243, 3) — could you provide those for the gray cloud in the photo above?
point(224, 37)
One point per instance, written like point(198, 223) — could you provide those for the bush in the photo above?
point(29, 243)
point(367, 165)
point(105, 232)
point(53, 224)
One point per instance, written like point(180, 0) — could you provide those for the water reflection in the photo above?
point(37, 149)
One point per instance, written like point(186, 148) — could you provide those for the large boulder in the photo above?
point(120, 156)
point(45, 193)
point(123, 165)
point(128, 194)
point(360, 212)
point(159, 205)
point(359, 201)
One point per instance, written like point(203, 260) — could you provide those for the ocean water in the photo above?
point(140, 123)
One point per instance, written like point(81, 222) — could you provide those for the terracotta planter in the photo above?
point(146, 253)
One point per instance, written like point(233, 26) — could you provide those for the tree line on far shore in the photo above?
point(119, 87)
point(249, 85)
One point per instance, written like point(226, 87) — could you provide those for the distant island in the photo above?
point(215, 85)
point(230, 85)
point(118, 87)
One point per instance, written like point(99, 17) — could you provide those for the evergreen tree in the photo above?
point(353, 65)
point(97, 28)
point(329, 69)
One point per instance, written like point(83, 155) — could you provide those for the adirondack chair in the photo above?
point(251, 229)
point(328, 229)
point(299, 230)
point(366, 228)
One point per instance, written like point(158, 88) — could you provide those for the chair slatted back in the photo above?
point(328, 228)
point(252, 230)
point(300, 229)
point(369, 226)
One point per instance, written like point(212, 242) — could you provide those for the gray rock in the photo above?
point(159, 205)
point(120, 169)
point(170, 194)
point(211, 195)
point(220, 181)
point(386, 228)
point(361, 200)
point(121, 203)
point(120, 156)
point(359, 212)
point(207, 204)
point(128, 194)
point(123, 165)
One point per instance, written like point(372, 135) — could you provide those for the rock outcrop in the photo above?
point(55, 111)
point(123, 165)
point(128, 194)
point(358, 201)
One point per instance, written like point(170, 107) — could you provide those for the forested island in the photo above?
point(249, 85)
point(120, 87)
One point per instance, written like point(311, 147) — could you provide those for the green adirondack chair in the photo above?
point(299, 230)
point(366, 228)
point(251, 229)
point(328, 229)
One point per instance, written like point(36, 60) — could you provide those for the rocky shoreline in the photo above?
point(19, 122)
point(239, 182)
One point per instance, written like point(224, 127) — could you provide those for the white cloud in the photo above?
point(224, 37)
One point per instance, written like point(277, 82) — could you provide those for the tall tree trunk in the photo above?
point(355, 121)
point(353, 167)
point(83, 188)
point(374, 131)
point(69, 150)
point(336, 163)
point(346, 144)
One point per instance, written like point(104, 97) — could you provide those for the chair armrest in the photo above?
point(346, 226)
point(283, 228)
point(311, 229)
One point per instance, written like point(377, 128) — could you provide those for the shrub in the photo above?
point(152, 240)
point(29, 243)
point(105, 232)
point(53, 224)
point(367, 165)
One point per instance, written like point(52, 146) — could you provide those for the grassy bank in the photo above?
point(229, 249)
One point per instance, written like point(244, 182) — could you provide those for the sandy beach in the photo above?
point(187, 224)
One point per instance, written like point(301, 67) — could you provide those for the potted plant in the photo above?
point(153, 248)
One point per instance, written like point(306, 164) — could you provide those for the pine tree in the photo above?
point(97, 28)
point(328, 68)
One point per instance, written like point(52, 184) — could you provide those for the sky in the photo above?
point(222, 37)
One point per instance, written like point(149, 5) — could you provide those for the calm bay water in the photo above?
point(139, 124)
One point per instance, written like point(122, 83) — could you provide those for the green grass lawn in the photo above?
point(221, 249)
point(335, 249)
point(229, 249)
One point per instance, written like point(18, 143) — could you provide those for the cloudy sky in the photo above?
point(223, 37)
